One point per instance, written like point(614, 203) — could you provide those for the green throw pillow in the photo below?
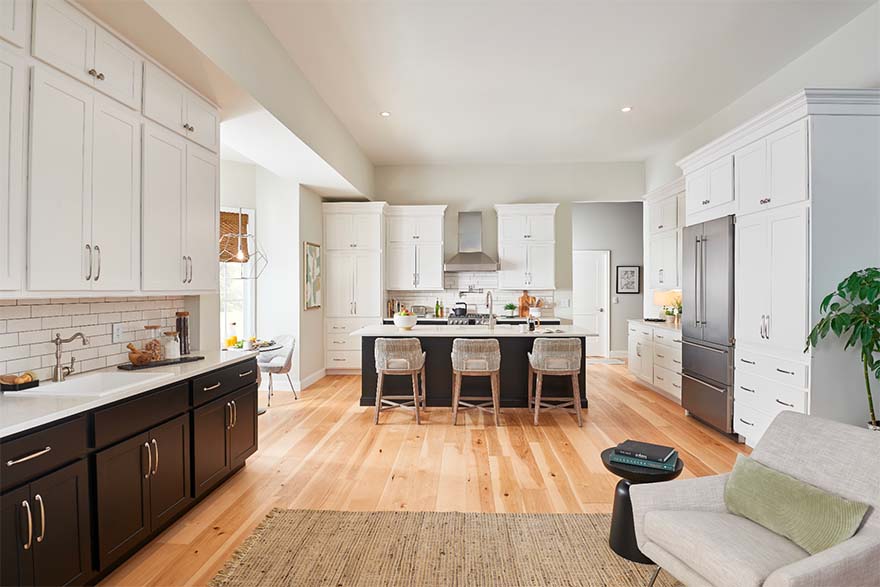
point(810, 517)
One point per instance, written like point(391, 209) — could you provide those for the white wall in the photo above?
point(310, 342)
point(848, 58)
point(617, 227)
point(479, 187)
point(238, 185)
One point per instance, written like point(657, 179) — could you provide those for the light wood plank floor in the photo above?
point(323, 452)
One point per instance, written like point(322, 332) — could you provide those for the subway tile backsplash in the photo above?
point(27, 328)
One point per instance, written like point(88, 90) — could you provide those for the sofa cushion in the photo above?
point(725, 549)
point(810, 517)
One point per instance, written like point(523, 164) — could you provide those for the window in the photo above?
point(238, 309)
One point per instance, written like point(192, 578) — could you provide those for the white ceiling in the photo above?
point(516, 81)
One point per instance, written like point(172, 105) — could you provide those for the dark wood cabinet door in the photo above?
point(16, 561)
point(62, 533)
point(243, 434)
point(210, 448)
point(122, 497)
point(170, 480)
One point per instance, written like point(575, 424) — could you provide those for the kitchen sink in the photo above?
point(92, 385)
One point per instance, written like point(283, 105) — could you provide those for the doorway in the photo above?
point(591, 285)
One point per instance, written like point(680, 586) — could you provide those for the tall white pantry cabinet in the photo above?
point(806, 193)
point(96, 197)
point(354, 234)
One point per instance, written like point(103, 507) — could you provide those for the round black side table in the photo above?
point(622, 538)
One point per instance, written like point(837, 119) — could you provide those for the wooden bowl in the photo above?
point(138, 358)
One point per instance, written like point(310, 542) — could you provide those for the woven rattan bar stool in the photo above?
point(558, 357)
point(400, 356)
point(480, 357)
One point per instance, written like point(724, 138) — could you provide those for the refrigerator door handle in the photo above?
point(697, 281)
point(705, 348)
point(703, 281)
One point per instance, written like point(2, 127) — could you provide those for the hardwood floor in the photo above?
point(323, 452)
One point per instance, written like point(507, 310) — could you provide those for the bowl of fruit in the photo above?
point(405, 320)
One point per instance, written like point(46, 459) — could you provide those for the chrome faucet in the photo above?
point(490, 303)
point(60, 372)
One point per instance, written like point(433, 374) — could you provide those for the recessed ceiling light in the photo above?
point(384, 114)
point(626, 109)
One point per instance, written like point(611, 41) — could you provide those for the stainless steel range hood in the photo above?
point(470, 255)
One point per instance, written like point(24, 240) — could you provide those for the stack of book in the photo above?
point(644, 454)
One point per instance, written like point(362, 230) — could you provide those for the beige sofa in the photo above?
point(685, 528)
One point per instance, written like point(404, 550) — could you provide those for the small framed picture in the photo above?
point(629, 279)
point(312, 275)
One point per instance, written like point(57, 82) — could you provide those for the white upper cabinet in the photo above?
point(414, 256)
point(663, 215)
point(202, 214)
point(400, 267)
point(526, 246)
point(116, 196)
point(773, 171)
point(174, 106)
point(14, 21)
point(664, 256)
point(429, 266)
point(164, 174)
point(60, 255)
point(13, 96)
point(709, 187)
point(353, 230)
point(367, 280)
point(353, 284)
point(404, 225)
point(69, 40)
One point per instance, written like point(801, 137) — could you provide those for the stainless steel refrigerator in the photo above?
point(707, 322)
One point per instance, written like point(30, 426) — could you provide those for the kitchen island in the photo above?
point(437, 343)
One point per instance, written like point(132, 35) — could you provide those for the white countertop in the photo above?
point(663, 325)
point(501, 330)
point(20, 411)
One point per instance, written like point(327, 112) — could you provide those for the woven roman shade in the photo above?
point(229, 245)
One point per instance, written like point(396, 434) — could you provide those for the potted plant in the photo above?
point(853, 310)
point(510, 309)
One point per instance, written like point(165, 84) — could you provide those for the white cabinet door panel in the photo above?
point(429, 229)
point(787, 162)
point(13, 94)
point(367, 284)
point(366, 231)
point(663, 215)
point(14, 21)
point(201, 218)
point(752, 279)
point(541, 266)
point(204, 122)
point(339, 284)
point(541, 227)
point(119, 69)
point(116, 195)
point(512, 228)
point(64, 38)
point(164, 170)
point(164, 98)
point(337, 231)
point(751, 177)
point(401, 267)
point(430, 266)
point(401, 229)
point(788, 259)
point(697, 191)
point(721, 181)
point(513, 259)
point(60, 166)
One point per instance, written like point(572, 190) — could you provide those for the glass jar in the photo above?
point(152, 345)
point(172, 345)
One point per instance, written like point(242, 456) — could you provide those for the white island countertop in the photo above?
point(50, 402)
point(500, 330)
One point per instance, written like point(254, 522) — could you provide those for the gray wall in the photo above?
point(615, 227)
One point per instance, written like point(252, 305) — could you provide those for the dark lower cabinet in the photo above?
point(170, 480)
point(243, 433)
point(45, 530)
point(210, 444)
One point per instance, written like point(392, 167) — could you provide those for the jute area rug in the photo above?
point(305, 548)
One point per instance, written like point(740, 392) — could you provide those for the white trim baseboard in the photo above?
point(619, 354)
point(305, 382)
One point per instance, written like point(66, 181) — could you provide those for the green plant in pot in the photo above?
point(853, 312)
point(511, 308)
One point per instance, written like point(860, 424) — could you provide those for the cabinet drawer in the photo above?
point(667, 380)
point(667, 357)
point(343, 342)
point(216, 383)
point(768, 396)
point(343, 359)
point(750, 423)
point(136, 415)
point(30, 456)
point(780, 370)
point(667, 337)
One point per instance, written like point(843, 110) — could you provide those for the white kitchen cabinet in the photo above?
point(408, 227)
point(116, 196)
point(353, 285)
point(663, 215)
point(14, 21)
point(164, 177)
point(174, 106)
point(13, 97)
point(513, 260)
point(772, 171)
point(771, 278)
point(526, 246)
point(400, 262)
point(654, 356)
point(339, 284)
point(352, 231)
point(367, 295)
point(429, 266)
point(664, 256)
point(69, 40)
point(526, 222)
point(414, 255)
point(709, 187)
point(202, 214)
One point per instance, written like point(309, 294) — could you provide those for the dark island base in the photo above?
point(438, 372)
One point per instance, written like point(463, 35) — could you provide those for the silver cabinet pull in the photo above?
point(30, 518)
point(150, 461)
point(189, 269)
point(784, 372)
point(212, 387)
point(100, 76)
point(93, 72)
point(767, 327)
point(661, 356)
point(185, 271)
point(156, 448)
point(98, 254)
point(33, 455)
point(234, 413)
point(39, 498)
point(659, 378)
point(747, 389)
point(746, 423)
point(747, 362)
point(89, 251)
point(676, 362)
point(782, 403)
point(228, 415)
point(246, 373)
